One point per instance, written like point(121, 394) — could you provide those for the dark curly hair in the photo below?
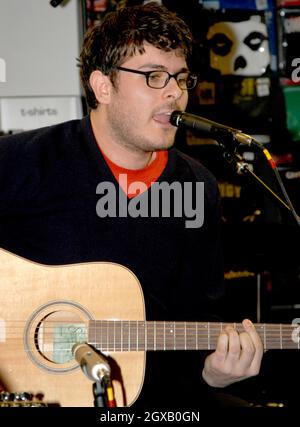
point(122, 34)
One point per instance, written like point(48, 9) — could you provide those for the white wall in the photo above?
point(39, 45)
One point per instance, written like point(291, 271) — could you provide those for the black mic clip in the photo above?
point(229, 144)
point(226, 140)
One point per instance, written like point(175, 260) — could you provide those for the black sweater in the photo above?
point(48, 199)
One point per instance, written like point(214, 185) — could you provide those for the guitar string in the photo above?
point(182, 338)
point(156, 347)
point(161, 324)
point(163, 328)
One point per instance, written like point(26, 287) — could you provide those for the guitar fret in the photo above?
point(103, 334)
point(117, 336)
point(129, 335)
point(95, 332)
point(199, 331)
point(134, 336)
point(271, 340)
point(280, 336)
point(160, 335)
point(149, 327)
point(107, 335)
point(141, 335)
point(125, 335)
point(288, 341)
point(169, 336)
point(114, 336)
point(174, 336)
point(121, 329)
point(181, 343)
point(190, 332)
point(208, 336)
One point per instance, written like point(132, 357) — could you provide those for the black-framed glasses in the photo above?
point(159, 79)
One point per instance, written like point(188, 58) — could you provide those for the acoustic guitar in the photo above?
point(45, 310)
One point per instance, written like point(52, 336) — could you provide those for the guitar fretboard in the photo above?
point(137, 335)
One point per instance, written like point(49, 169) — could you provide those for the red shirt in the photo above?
point(147, 175)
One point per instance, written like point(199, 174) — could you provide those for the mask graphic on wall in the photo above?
point(239, 48)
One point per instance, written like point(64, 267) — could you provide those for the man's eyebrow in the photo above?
point(161, 67)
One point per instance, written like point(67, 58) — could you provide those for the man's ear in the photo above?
point(101, 86)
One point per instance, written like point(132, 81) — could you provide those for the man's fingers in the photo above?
point(257, 343)
point(234, 347)
point(249, 327)
point(222, 347)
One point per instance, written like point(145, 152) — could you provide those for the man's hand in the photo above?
point(237, 356)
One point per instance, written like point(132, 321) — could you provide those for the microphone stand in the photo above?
point(99, 393)
point(103, 392)
point(242, 167)
point(230, 145)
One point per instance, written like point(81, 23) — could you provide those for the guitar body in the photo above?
point(45, 310)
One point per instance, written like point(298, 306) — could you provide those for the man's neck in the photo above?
point(118, 153)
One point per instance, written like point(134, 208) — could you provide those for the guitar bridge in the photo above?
point(8, 399)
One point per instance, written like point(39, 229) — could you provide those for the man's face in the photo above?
point(138, 116)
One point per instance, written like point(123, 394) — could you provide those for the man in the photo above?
point(111, 188)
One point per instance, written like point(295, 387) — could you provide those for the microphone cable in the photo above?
point(273, 166)
point(109, 392)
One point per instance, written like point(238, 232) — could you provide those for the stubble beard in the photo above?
point(122, 130)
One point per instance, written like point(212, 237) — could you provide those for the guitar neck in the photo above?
point(137, 335)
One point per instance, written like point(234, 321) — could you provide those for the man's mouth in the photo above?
point(162, 117)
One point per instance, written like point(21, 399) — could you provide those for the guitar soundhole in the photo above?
point(56, 334)
point(51, 332)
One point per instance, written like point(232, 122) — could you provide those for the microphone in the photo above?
point(93, 364)
point(191, 121)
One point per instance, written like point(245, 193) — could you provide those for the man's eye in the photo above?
point(183, 78)
point(156, 76)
